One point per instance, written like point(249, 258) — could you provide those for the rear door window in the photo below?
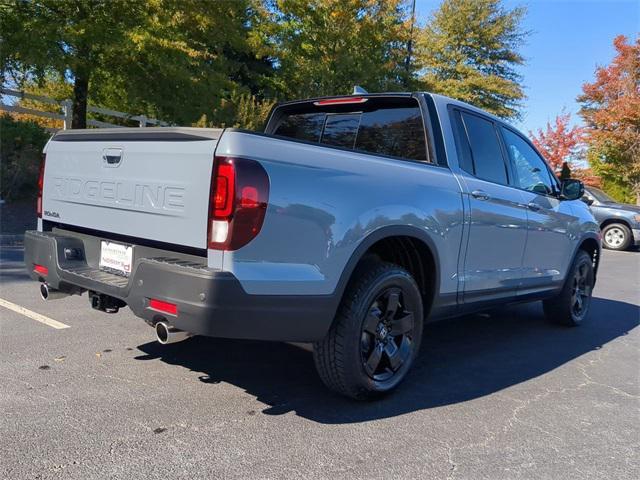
point(382, 126)
point(486, 154)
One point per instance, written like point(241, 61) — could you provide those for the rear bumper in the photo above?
point(210, 302)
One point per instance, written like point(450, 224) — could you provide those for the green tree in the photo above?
point(21, 144)
point(70, 37)
point(325, 47)
point(170, 59)
point(241, 110)
point(469, 50)
point(186, 60)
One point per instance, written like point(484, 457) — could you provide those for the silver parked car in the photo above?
point(620, 222)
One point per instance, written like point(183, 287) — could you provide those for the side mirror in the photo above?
point(588, 200)
point(571, 189)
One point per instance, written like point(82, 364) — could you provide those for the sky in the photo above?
point(568, 39)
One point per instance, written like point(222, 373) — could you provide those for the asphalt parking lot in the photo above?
point(496, 396)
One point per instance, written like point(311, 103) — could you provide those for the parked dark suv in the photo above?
point(620, 222)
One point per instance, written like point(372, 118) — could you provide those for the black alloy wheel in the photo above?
point(387, 335)
point(376, 334)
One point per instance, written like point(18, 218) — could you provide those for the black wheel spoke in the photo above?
point(402, 325)
point(397, 355)
point(582, 272)
point(374, 358)
point(581, 289)
point(372, 320)
point(392, 304)
point(386, 334)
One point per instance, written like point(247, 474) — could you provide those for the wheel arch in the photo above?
point(590, 244)
point(407, 246)
point(612, 220)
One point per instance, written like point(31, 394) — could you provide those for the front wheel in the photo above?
point(571, 306)
point(616, 236)
point(376, 334)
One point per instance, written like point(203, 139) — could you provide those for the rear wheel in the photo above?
point(572, 305)
point(376, 334)
point(616, 236)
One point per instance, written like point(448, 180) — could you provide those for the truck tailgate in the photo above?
point(151, 183)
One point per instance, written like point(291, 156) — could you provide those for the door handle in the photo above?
point(480, 195)
point(533, 206)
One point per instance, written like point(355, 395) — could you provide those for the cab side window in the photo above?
point(484, 148)
point(531, 171)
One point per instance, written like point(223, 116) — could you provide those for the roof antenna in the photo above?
point(358, 90)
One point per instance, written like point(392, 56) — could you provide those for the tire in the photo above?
point(616, 236)
point(571, 306)
point(375, 336)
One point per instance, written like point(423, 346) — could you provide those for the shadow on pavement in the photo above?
point(461, 359)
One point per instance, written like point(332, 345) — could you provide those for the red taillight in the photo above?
point(223, 191)
point(41, 269)
point(40, 185)
point(340, 101)
point(165, 307)
point(239, 197)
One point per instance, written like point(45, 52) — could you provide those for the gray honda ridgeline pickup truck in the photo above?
point(348, 223)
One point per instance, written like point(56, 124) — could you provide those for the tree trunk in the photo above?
point(80, 93)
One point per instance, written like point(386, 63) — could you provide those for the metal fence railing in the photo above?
point(65, 111)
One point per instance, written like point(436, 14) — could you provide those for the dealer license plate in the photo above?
point(116, 258)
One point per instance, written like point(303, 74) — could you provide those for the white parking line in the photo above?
point(33, 315)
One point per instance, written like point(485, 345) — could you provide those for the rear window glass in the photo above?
point(382, 128)
point(304, 126)
point(397, 132)
point(340, 130)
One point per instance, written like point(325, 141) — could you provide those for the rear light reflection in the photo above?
point(249, 197)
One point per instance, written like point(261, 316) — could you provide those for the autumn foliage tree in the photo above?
point(559, 142)
point(611, 112)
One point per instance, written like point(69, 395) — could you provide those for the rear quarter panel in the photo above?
point(325, 202)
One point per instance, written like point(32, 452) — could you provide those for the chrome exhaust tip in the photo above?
point(166, 334)
point(48, 293)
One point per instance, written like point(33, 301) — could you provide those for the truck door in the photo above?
point(498, 219)
point(550, 242)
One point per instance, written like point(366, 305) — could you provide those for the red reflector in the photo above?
point(340, 101)
point(41, 269)
point(166, 307)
